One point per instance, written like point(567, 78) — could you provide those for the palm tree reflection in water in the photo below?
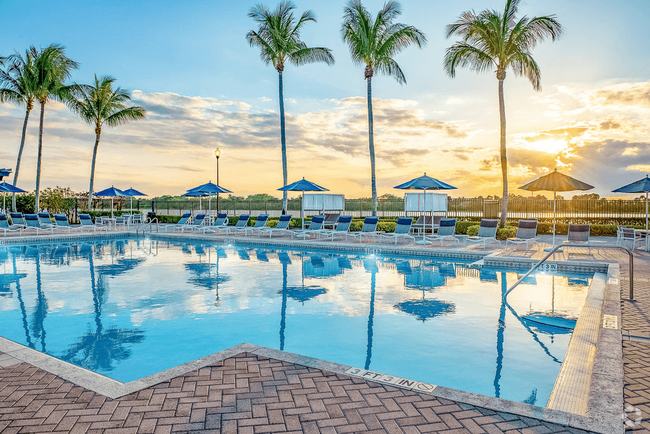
point(99, 349)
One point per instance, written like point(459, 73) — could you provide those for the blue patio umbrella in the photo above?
point(110, 192)
point(210, 189)
point(198, 194)
point(425, 183)
point(132, 192)
point(302, 185)
point(641, 186)
point(5, 187)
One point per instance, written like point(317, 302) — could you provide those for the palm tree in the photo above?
point(18, 85)
point(374, 43)
point(499, 40)
point(278, 38)
point(98, 104)
point(52, 69)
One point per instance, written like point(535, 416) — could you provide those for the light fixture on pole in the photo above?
point(217, 153)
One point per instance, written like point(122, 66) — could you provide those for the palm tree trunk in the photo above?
point(92, 171)
point(504, 157)
point(284, 146)
point(371, 145)
point(40, 155)
point(20, 155)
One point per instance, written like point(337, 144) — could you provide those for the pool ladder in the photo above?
point(554, 249)
point(146, 224)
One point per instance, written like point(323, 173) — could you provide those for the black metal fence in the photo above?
point(594, 211)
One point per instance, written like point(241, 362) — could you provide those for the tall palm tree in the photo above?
point(99, 104)
point(278, 38)
point(52, 69)
point(374, 43)
point(492, 39)
point(18, 85)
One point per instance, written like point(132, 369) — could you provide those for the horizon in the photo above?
point(203, 88)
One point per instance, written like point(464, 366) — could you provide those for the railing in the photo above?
point(554, 249)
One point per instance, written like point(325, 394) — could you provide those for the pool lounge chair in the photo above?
point(61, 221)
point(45, 220)
point(331, 220)
point(342, 228)
point(402, 230)
point(281, 228)
point(369, 228)
point(6, 227)
point(446, 231)
point(220, 222)
point(526, 233)
point(260, 224)
point(33, 223)
point(487, 233)
point(314, 227)
point(240, 226)
point(185, 218)
point(198, 223)
point(630, 235)
point(17, 218)
point(87, 223)
point(580, 234)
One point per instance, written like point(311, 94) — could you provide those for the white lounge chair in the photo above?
point(342, 228)
point(630, 235)
point(45, 220)
point(331, 220)
point(198, 223)
point(33, 223)
point(240, 226)
point(185, 218)
point(6, 227)
point(220, 222)
point(315, 226)
point(282, 227)
point(87, 223)
point(487, 233)
point(402, 230)
point(446, 231)
point(369, 228)
point(260, 224)
point(61, 221)
point(526, 233)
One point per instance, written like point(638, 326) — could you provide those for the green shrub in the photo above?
point(507, 232)
point(356, 225)
point(461, 226)
point(472, 231)
point(386, 226)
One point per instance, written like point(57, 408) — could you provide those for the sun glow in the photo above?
point(552, 146)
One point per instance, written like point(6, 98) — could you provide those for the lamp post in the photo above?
point(217, 153)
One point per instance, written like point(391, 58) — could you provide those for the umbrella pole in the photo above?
point(646, 212)
point(554, 215)
point(111, 206)
point(424, 223)
point(302, 211)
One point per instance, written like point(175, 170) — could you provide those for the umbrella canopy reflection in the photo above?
point(426, 309)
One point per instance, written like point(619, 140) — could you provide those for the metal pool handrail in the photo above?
point(629, 252)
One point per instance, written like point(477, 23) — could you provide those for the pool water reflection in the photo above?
point(128, 308)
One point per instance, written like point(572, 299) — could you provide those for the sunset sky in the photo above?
point(203, 87)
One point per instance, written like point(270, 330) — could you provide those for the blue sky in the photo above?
point(197, 49)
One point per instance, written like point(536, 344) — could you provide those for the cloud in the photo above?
point(625, 94)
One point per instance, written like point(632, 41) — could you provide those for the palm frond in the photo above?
point(389, 67)
point(461, 54)
point(311, 55)
point(523, 64)
point(123, 116)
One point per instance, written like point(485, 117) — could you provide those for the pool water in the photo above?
point(128, 308)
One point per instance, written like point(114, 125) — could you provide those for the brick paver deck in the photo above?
point(244, 394)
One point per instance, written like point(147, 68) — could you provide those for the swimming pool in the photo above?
point(128, 308)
